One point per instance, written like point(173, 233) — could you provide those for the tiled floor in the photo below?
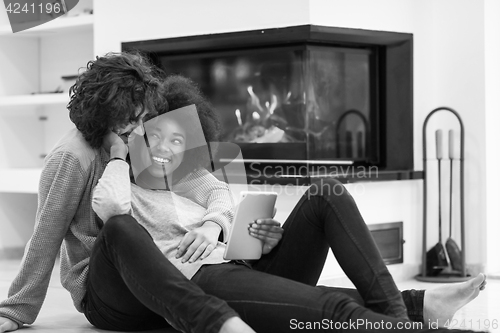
point(59, 315)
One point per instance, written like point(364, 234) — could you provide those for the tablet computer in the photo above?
point(252, 206)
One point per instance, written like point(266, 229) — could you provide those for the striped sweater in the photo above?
point(65, 221)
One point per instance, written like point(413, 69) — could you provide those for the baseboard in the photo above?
point(11, 253)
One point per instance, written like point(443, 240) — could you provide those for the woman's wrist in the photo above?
point(212, 224)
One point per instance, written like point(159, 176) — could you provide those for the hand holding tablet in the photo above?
point(253, 206)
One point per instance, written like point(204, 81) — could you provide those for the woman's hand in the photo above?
point(7, 325)
point(199, 243)
point(115, 145)
point(269, 231)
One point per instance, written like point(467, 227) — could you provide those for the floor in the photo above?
point(483, 313)
point(59, 315)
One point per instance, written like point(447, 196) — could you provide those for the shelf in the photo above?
point(58, 25)
point(19, 180)
point(40, 99)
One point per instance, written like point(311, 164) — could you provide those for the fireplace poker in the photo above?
point(451, 246)
point(436, 256)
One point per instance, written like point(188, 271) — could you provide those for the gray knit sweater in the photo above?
point(65, 220)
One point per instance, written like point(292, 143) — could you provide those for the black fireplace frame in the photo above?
point(395, 84)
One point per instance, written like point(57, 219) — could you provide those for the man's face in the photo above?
point(124, 130)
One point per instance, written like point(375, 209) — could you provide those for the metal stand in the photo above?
point(449, 276)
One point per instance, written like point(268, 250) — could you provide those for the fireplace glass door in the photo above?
point(304, 103)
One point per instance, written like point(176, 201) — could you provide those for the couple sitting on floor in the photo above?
point(152, 259)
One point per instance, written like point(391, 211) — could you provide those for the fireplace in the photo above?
point(303, 101)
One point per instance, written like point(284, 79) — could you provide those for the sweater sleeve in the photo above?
point(112, 193)
point(206, 190)
point(61, 186)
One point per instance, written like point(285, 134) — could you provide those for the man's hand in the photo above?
point(199, 243)
point(268, 231)
point(115, 145)
point(7, 325)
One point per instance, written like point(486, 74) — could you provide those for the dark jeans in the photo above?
point(327, 217)
point(279, 292)
point(131, 286)
point(269, 303)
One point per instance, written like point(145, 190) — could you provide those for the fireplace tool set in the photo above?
point(444, 262)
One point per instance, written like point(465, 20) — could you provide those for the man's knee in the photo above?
point(120, 224)
point(327, 187)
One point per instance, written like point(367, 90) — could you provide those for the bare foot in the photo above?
point(235, 325)
point(441, 303)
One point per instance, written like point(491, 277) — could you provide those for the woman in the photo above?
point(277, 294)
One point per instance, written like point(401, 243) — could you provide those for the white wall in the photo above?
point(460, 83)
point(449, 70)
point(449, 60)
point(127, 20)
point(492, 108)
point(14, 236)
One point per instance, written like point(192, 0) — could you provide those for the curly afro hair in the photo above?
point(111, 91)
point(179, 92)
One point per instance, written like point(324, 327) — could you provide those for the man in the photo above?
point(113, 95)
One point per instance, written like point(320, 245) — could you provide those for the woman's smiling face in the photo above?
point(167, 142)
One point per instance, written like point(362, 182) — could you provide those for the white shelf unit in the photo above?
point(32, 119)
point(34, 100)
point(20, 180)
